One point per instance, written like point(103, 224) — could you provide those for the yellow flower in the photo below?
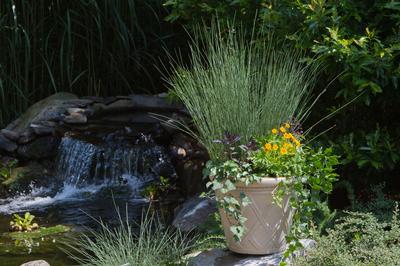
point(267, 146)
point(284, 151)
point(282, 129)
point(287, 135)
point(274, 131)
point(287, 125)
point(288, 145)
point(275, 147)
point(297, 143)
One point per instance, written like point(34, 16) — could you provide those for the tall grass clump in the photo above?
point(239, 85)
point(86, 47)
point(154, 244)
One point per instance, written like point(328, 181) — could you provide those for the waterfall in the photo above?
point(85, 166)
point(80, 162)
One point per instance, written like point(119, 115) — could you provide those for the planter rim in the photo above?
point(266, 182)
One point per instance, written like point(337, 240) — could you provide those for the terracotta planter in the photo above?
point(266, 225)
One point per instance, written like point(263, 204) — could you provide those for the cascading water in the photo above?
point(91, 171)
point(80, 163)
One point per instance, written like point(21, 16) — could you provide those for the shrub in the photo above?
point(377, 203)
point(357, 239)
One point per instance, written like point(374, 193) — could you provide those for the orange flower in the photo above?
point(267, 146)
point(284, 151)
point(282, 129)
point(287, 125)
point(288, 145)
point(275, 147)
point(297, 143)
point(287, 135)
point(274, 131)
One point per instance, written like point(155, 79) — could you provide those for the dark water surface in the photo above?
point(92, 180)
point(77, 214)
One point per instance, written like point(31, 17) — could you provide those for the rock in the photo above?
point(4, 160)
point(7, 144)
point(94, 99)
point(224, 257)
point(44, 128)
point(194, 213)
point(307, 245)
point(117, 106)
point(75, 110)
point(127, 118)
point(189, 145)
point(21, 177)
point(49, 109)
point(120, 105)
point(11, 135)
point(36, 263)
point(81, 103)
point(189, 159)
point(154, 103)
point(190, 174)
point(42, 147)
point(27, 136)
point(75, 118)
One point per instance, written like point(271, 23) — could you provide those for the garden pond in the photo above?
point(92, 181)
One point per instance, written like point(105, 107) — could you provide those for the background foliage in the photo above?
point(357, 239)
point(358, 42)
point(110, 47)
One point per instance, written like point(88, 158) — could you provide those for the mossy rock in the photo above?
point(40, 111)
point(22, 176)
point(42, 232)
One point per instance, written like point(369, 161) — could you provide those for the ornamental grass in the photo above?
point(241, 86)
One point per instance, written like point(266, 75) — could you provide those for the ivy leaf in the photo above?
point(238, 232)
point(229, 185)
point(245, 200)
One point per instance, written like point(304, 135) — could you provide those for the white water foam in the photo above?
point(39, 197)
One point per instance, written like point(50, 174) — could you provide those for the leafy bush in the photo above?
point(357, 239)
point(366, 52)
point(375, 150)
point(378, 203)
point(154, 244)
point(358, 41)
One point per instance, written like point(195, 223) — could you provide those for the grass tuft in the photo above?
point(154, 244)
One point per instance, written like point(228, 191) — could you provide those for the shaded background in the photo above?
point(113, 47)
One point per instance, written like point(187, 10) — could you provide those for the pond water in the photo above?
point(92, 180)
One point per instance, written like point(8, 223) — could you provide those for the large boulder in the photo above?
point(36, 263)
point(51, 108)
point(189, 159)
point(223, 257)
point(194, 213)
point(40, 148)
point(7, 144)
point(21, 177)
